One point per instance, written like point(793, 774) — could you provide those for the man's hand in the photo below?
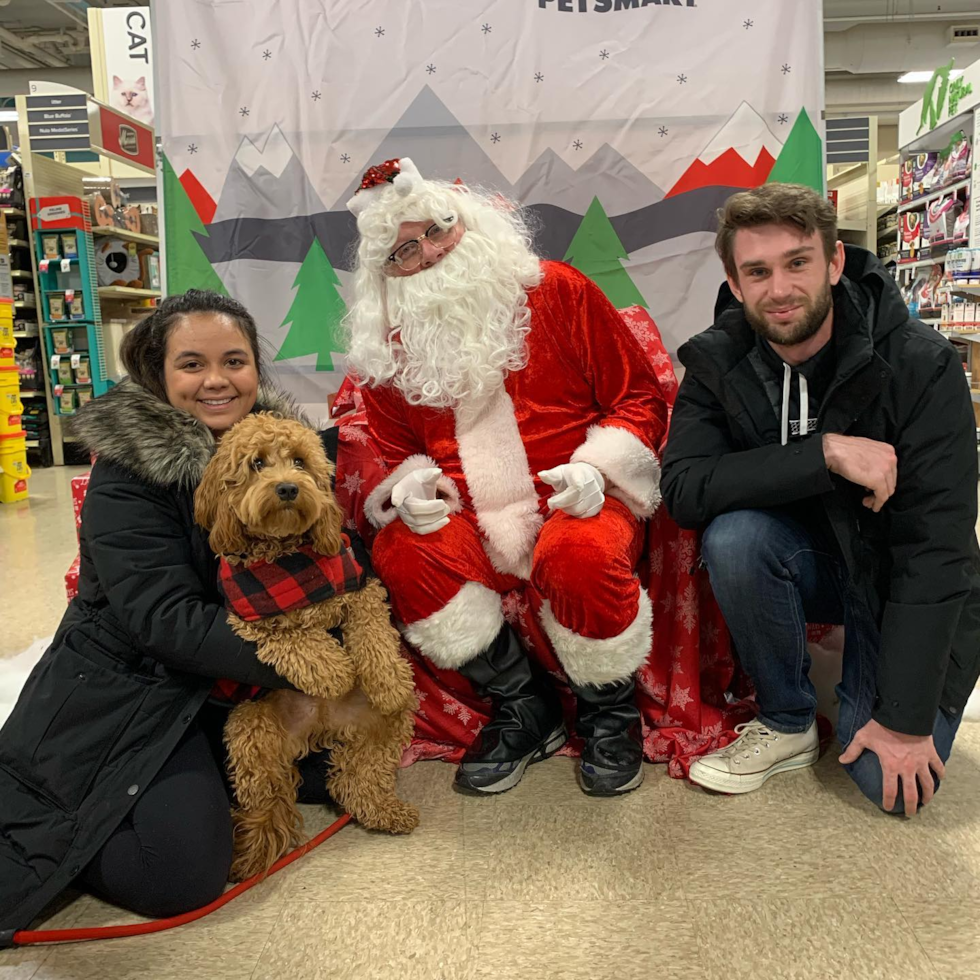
point(414, 497)
point(578, 489)
point(901, 756)
point(870, 464)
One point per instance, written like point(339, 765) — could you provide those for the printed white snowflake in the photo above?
point(350, 524)
point(709, 634)
point(660, 359)
point(421, 695)
point(714, 730)
point(353, 482)
point(687, 608)
point(683, 552)
point(680, 697)
point(667, 602)
point(381, 464)
point(668, 383)
point(676, 656)
point(457, 710)
point(660, 748)
point(513, 606)
point(656, 561)
point(355, 433)
point(659, 691)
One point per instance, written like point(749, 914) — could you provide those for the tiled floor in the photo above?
point(803, 879)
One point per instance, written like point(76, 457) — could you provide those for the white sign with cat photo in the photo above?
point(127, 61)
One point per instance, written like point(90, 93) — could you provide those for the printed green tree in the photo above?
point(800, 161)
point(187, 265)
point(316, 312)
point(597, 251)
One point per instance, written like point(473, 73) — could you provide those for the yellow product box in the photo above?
point(14, 471)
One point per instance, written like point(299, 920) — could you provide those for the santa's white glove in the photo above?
point(578, 489)
point(414, 497)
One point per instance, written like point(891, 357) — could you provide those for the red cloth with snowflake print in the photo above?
point(681, 689)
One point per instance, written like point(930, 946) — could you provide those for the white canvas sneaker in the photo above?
point(754, 756)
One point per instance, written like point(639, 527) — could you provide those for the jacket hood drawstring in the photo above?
point(804, 405)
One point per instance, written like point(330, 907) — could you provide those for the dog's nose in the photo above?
point(287, 491)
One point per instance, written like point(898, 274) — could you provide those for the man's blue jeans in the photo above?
point(771, 576)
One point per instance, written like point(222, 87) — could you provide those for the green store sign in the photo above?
point(942, 93)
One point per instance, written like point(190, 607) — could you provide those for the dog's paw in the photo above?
point(330, 678)
point(396, 818)
point(390, 699)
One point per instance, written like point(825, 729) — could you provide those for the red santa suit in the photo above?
point(587, 393)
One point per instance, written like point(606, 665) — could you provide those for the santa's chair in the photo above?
point(685, 688)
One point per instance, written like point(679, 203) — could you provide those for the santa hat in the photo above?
point(401, 173)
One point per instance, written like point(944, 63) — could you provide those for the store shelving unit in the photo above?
point(27, 336)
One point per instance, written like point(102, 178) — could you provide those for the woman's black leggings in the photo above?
point(172, 853)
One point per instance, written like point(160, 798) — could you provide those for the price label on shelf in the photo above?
point(76, 359)
point(55, 361)
point(43, 265)
point(69, 296)
point(66, 265)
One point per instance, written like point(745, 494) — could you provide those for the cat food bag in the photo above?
point(83, 372)
point(923, 176)
point(59, 340)
point(50, 246)
point(84, 396)
point(56, 307)
point(906, 178)
point(69, 246)
point(67, 402)
point(77, 307)
point(65, 376)
point(911, 225)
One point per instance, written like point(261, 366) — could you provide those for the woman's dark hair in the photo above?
point(144, 348)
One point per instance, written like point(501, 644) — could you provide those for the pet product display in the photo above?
point(60, 341)
point(939, 220)
point(49, 244)
point(56, 307)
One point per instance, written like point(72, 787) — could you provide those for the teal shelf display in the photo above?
point(71, 314)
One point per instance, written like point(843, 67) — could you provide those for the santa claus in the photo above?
point(518, 418)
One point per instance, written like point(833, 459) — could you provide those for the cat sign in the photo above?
point(122, 60)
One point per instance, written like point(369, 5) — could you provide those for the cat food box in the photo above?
point(911, 226)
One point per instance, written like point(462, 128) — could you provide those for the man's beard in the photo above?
point(787, 334)
point(459, 327)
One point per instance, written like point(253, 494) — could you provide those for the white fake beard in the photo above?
point(458, 327)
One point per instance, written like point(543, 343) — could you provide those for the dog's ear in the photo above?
point(213, 510)
point(326, 532)
point(208, 496)
point(227, 533)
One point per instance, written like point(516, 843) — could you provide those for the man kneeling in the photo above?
point(826, 442)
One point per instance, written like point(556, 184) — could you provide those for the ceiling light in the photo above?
point(924, 76)
point(8, 115)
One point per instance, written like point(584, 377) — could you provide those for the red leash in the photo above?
point(28, 937)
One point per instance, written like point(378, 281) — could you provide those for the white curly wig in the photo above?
point(448, 334)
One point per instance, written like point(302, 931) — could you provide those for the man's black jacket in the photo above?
point(916, 563)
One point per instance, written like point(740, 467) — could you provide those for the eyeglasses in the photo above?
point(408, 255)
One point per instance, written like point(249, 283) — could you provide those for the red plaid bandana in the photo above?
point(293, 581)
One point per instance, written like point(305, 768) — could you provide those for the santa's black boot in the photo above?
point(527, 724)
point(609, 721)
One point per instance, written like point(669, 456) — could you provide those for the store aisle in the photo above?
point(801, 879)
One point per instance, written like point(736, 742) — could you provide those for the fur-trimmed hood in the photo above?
point(131, 427)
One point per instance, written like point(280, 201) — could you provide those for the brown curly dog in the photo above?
point(265, 495)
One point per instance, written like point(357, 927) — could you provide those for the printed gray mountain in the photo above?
point(267, 180)
point(607, 174)
point(438, 145)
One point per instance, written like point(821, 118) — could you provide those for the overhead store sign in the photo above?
point(122, 60)
point(944, 99)
point(58, 122)
point(121, 137)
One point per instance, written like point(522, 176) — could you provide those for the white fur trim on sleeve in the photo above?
point(631, 468)
point(378, 507)
point(591, 661)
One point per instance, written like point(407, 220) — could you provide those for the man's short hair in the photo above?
point(775, 204)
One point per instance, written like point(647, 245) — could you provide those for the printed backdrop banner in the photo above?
point(622, 124)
